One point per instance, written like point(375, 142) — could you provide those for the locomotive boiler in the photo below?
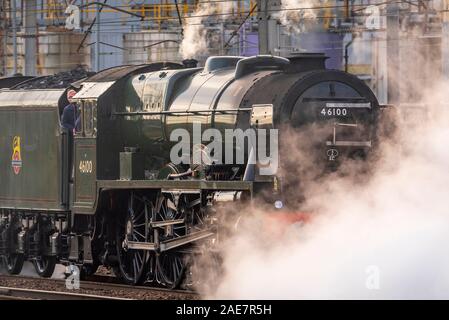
point(110, 193)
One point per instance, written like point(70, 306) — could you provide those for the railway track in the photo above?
point(102, 288)
point(10, 293)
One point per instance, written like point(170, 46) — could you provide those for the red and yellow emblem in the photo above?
point(16, 160)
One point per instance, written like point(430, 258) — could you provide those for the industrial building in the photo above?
point(364, 37)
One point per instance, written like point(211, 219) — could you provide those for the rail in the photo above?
point(21, 293)
point(97, 287)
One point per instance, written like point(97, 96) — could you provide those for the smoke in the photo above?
point(377, 235)
point(297, 15)
point(195, 40)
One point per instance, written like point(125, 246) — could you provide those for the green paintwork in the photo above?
point(85, 174)
point(177, 184)
point(38, 183)
point(131, 166)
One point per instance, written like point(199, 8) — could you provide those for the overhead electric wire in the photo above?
point(362, 6)
point(241, 24)
point(89, 29)
point(124, 27)
point(158, 20)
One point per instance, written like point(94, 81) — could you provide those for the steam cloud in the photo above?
point(381, 235)
point(194, 40)
point(295, 15)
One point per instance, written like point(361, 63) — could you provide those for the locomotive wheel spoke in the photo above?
point(138, 233)
point(170, 266)
point(132, 227)
point(170, 269)
point(139, 225)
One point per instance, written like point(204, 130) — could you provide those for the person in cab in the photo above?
point(70, 118)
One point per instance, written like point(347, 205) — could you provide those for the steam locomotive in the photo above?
point(109, 193)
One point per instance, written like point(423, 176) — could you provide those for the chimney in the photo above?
point(302, 62)
point(190, 63)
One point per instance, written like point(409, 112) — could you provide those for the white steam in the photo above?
point(296, 15)
point(195, 40)
point(385, 238)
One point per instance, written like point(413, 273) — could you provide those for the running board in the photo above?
point(136, 245)
point(170, 244)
